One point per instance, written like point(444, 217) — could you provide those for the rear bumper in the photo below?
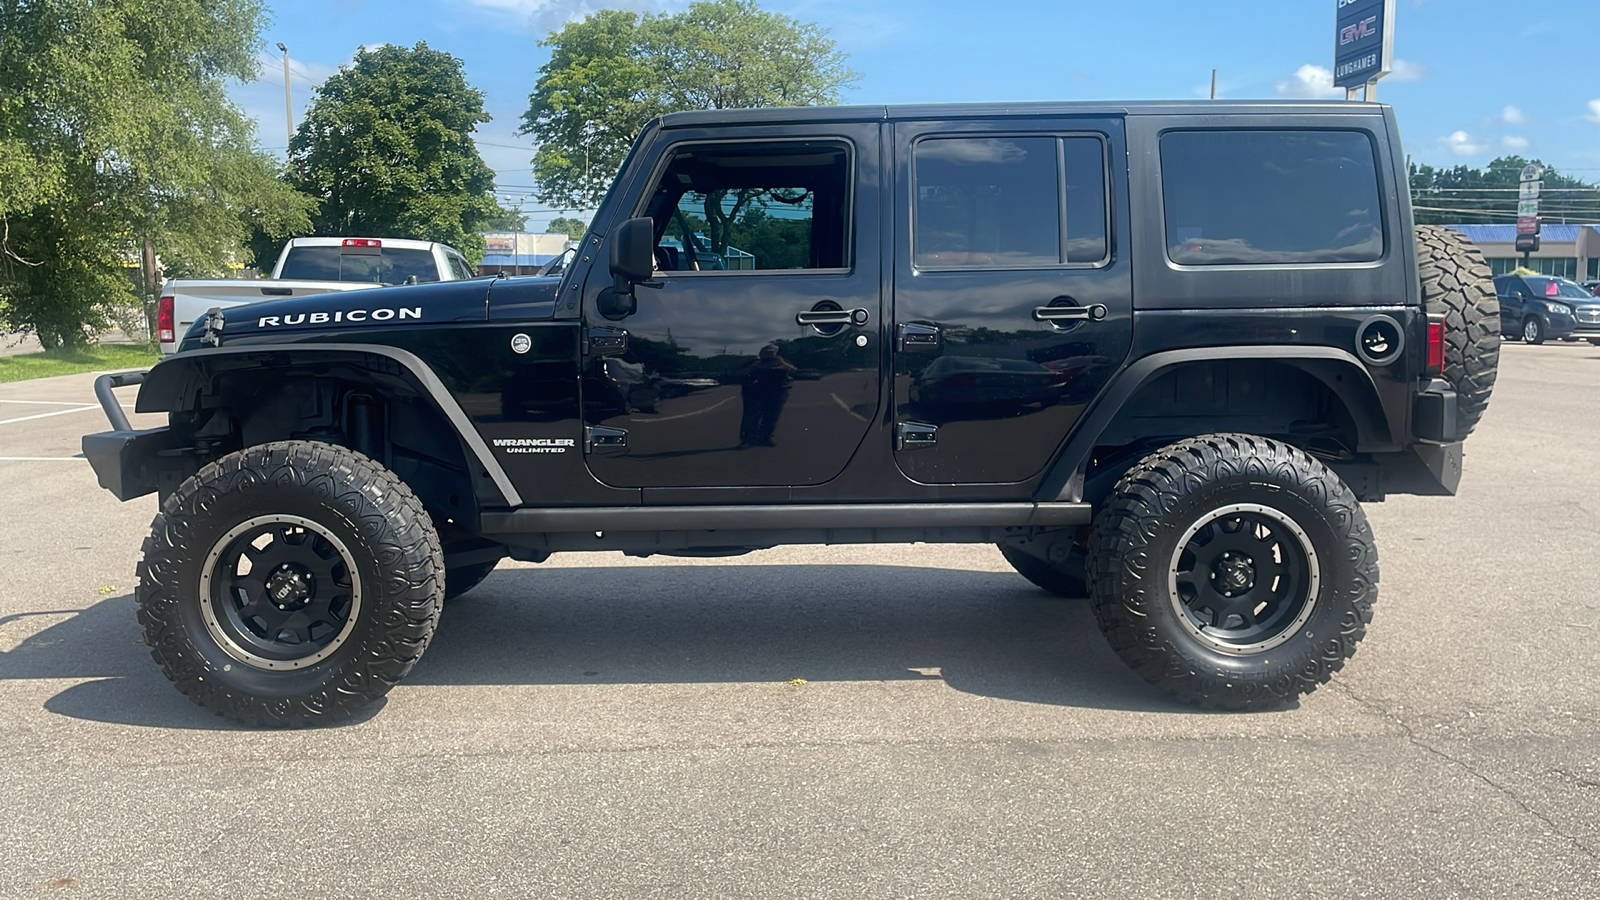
point(1433, 413)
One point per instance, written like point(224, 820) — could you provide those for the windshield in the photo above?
point(1547, 286)
point(389, 266)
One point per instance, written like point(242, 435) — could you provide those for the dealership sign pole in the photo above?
point(1363, 45)
point(1528, 210)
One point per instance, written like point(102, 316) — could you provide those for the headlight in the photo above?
point(1561, 309)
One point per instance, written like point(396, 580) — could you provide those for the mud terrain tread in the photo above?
point(1458, 283)
point(405, 601)
point(1128, 591)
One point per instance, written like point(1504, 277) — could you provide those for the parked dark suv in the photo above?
point(1537, 308)
point(1158, 353)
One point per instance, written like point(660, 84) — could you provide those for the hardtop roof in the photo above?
point(805, 114)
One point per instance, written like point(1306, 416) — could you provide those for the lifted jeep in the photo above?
point(1158, 353)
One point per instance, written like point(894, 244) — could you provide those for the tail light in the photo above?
point(166, 329)
point(1435, 345)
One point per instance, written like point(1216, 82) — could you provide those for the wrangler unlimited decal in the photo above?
point(339, 315)
point(534, 445)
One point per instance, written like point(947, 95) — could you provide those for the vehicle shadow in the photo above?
point(985, 633)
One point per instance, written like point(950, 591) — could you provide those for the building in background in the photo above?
point(1571, 251)
point(509, 253)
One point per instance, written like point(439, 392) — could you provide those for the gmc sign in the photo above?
point(1363, 38)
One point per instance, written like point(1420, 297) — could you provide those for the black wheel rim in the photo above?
point(280, 592)
point(1244, 578)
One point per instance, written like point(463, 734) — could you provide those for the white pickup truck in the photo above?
point(310, 265)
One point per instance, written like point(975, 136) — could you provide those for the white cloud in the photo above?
point(1594, 110)
point(1406, 70)
point(1310, 82)
point(541, 16)
point(1514, 143)
point(1513, 115)
point(1462, 144)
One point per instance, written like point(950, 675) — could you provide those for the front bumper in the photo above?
point(124, 460)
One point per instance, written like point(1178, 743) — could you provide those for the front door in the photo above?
point(1012, 290)
point(756, 361)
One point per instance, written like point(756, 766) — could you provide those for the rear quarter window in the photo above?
point(1270, 197)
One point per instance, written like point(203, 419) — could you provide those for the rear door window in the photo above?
point(1009, 202)
point(1270, 197)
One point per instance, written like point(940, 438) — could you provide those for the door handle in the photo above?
point(1094, 312)
point(832, 317)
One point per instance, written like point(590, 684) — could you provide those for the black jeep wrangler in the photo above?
point(1157, 353)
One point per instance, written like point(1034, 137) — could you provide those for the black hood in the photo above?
point(381, 308)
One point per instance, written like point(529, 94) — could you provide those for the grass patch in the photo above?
point(101, 357)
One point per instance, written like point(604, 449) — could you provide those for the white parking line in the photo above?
point(58, 412)
point(46, 402)
point(43, 459)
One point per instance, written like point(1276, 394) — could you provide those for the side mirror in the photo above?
point(633, 252)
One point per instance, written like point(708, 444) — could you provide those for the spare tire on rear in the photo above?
point(1457, 284)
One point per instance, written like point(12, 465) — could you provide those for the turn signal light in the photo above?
point(166, 331)
point(1435, 345)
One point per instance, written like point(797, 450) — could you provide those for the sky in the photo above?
point(1473, 79)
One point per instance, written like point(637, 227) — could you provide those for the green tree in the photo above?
point(116, 134)
point(1462, 195)
point(572, 228)
point(612, 72)
point(386, 149)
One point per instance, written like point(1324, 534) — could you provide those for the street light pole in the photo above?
point(288, 104)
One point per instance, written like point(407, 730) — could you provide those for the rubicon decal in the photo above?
point(339, 316)
point(534, 445)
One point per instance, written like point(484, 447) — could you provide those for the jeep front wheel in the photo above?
point(289, 584)
point(1233, 571)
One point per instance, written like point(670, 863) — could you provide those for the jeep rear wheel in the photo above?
point(1457, 284)
point(288, 584)
point(1233, 571)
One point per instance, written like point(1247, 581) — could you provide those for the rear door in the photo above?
point(1012, 290)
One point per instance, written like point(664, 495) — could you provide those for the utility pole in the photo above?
point(1213, 84)
point(288, 104)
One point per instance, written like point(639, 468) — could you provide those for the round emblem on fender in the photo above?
point(521, 343)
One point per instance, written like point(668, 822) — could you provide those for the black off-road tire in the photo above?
point(1135, 554)
point(390, 557)
point(1457, 283)
point(459, 580)
point(1065, 579)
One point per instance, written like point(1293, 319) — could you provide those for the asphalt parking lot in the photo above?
point(897, 721)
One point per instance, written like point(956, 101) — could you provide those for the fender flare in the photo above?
point(177, 375)
point(1064, 481)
